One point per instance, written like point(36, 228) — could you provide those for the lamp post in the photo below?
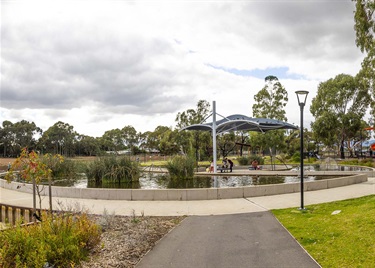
point(301, 97)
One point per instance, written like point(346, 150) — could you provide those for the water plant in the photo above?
point(181, 167)
point(113, 169)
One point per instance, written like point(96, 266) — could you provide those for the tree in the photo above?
point(270, 103)
point(130, 137)
point(271, 100)
point(112, 140)
point(88, 145)
point(226, 143)
point(338, 109)
point(31, 168)
point(59, 139)
point(190, 117)
point(16, 136)
point(365, 30)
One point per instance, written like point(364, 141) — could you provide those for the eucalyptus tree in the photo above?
point(6, 138)
point(365, 39)
point(190, 117)
point(130, 137)
point(19, 135)
point(169, 143)
point(338, 108)
point(155, 137)
point(59, 139)
point(112, 140)
point(270, 102)
point(88, 145)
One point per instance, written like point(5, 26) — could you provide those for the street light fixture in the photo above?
point(301, 97)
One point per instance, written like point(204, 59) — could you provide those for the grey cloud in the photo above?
point(291, 29)
point(65, 69)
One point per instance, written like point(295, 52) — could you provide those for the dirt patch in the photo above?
point(126, 240)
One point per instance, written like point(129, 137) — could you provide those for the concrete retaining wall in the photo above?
point(188, 194)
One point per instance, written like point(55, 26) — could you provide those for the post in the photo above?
point(34, 199)
point(301, 153)
point(214, 135)
point(301, 102)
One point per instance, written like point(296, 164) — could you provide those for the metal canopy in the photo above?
point(238, 122)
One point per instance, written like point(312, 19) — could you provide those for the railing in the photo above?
point(13, 214)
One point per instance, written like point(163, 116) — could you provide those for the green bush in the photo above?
point(243, 160)
point(296, 157)
point(181, 167)
point(60, 240)
point(115, 169)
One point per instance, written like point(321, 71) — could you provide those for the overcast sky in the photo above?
point(101, 65)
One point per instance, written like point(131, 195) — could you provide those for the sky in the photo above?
point(102, 65)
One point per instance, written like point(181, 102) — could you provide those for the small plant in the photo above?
point(181, 167)
point(134, 217)
point(106, 220)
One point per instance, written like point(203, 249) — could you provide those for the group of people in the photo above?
point(227, 163)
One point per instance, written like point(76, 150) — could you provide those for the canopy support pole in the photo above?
point(214, 135)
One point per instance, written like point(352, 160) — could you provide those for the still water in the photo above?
point(152, 181)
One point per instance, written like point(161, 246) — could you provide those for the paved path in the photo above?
point(239, 240)
point(198, 207)
point(220, 233)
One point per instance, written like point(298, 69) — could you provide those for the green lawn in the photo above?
point(344, 239)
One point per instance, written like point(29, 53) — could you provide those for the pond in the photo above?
point(152, 181)
point(336, 167)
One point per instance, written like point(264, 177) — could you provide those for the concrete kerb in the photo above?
point(195, 194)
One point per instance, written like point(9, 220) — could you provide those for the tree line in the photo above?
point(338, 109)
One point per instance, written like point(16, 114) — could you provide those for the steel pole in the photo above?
point(301, 153)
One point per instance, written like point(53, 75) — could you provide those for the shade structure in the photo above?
point(238, 122)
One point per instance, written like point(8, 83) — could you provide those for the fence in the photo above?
point(13, 214)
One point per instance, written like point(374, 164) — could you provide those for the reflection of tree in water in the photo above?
point(196, 182)
point(113, 185)
point(263, 180)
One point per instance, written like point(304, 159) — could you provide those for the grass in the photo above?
point(345, 239)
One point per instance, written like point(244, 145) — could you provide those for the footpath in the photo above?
point(218, 233)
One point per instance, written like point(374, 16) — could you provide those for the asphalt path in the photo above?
point(240, 240)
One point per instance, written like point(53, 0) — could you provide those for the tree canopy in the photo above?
point(365, 30)
point(338, 109)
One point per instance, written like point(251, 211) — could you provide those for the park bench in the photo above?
point(223, 169)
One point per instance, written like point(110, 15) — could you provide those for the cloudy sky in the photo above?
point(101, 65)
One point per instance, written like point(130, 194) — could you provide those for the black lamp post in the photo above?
point(301, 96)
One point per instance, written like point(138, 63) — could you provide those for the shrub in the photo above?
point(181, 167)
point(296, 157)
point(243, 160)
point(60, 240)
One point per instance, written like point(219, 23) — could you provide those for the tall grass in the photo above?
point(181, 167)
point(113, 169)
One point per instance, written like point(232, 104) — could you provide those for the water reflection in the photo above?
point(154, 181)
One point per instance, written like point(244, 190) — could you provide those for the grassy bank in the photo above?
point(336, 234)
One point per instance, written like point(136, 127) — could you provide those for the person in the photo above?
point(212, 166)
point(9, 166)
point(254, 164)
point(225, 163)
point(230, 164)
